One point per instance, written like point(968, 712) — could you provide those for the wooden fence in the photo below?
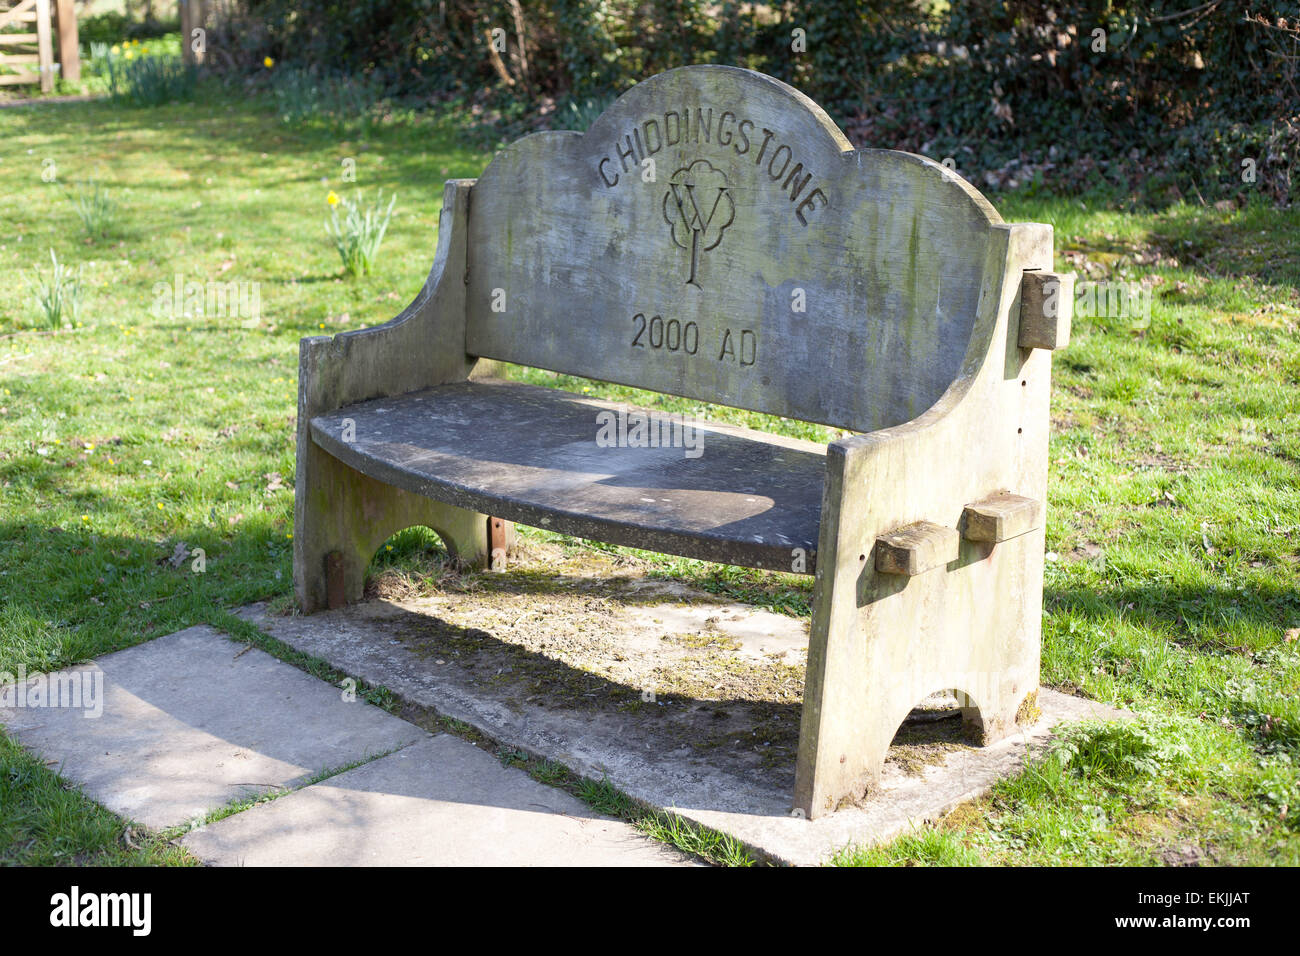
point(30, 51)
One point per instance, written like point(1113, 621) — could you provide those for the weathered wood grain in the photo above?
point(1046, 307)
point(881, 642)
point(916, 548)
point(883, 251)
point(338, 509)
point(707, 491)
point(1001, 517)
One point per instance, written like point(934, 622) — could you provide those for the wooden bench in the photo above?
point(714, 235)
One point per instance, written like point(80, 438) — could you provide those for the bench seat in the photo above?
point(529, 454)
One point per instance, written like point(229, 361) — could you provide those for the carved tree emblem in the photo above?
point(699, 208)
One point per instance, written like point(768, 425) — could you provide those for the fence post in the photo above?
point(194, 14)
point(44, 45)
point(69, 54)
point(187, 26)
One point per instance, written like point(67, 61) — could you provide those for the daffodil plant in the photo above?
point(359, 231)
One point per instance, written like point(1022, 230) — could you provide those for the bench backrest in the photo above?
point(714, 235)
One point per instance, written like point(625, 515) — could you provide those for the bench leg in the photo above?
point(882, 643)
point(343, 516)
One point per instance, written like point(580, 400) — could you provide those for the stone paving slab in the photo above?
point(440, 802)
point(711, 789)
point(192, 721)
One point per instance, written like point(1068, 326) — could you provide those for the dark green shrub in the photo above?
point(112, 27)
point(307, 94)
point(1155, 99)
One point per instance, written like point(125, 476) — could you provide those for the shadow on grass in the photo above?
point(71, 594)
point(1198, 616)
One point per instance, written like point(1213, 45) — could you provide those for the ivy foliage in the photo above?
point(1165, 96)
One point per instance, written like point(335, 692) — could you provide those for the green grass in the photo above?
point(1174, 503)
point(717, 848)
point(1174, 526)
point(45, 822)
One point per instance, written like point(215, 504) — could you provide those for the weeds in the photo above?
point(1119, 750)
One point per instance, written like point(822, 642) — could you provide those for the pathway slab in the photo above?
point(722, 758)
point(440, 802)
point(192, 721)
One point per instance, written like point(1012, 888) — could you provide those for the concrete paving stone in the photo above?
point(440, 802)
point(714, 788)
point(192, 721)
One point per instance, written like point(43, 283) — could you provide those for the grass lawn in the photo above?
point(1174, 522)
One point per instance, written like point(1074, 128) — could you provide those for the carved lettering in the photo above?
point(722, 121)
point(650, 126)
point(809, 202)
point(608, 181)
point(671, 336)
point(700, 124)
point(673, 130)
point(732, 133)
point(771, 163)
point(743, 136)
point(743, 353)
point(628, 155)
point(794, 195)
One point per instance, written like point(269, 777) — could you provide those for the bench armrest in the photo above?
point(985, 439)
point(423, 346)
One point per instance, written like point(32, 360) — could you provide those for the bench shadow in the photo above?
point(1190, 611)
point(717, 709)
point(740, 741)
point(738, 734)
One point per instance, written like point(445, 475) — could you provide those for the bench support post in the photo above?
point(881, 643)
point(341, 516)
point(346, 516)
point(930, 560)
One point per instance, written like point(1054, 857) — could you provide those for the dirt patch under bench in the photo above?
point(581, 631)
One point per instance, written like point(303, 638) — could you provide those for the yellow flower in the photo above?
point(332, 198)
point(129, 54)
point(116, 48)
point(268, 63)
